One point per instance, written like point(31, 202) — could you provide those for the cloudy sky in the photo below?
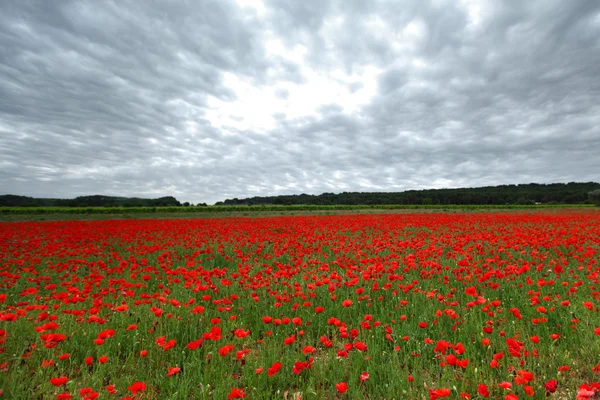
point(207, 100)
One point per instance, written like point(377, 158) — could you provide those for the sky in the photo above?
point(208, 100)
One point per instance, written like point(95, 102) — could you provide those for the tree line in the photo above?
point(522, 194)
point(11, 200)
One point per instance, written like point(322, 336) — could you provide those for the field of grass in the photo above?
point(498, 305)
point(11, 214)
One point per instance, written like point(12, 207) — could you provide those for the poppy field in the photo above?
point(498, 305)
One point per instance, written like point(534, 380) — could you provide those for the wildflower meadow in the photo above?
point(498, 305)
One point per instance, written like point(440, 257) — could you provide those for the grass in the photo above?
point(14, 214)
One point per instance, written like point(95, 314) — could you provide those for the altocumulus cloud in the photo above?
point(207, 100)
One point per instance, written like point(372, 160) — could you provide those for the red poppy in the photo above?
point(483, 390)
point(289, 340)
point(59, 381)
point(437, 393)
point(237, 393)
point(223, 351)
point(274, 368)
point(551, 385)
point(341, 387)
point(137, 387)
point(360, 346)
point(88, 393)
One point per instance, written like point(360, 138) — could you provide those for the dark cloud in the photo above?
point(215, 99)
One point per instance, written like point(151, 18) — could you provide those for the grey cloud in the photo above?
point(119, 97)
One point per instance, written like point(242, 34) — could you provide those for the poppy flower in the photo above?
point(223, 351)
point(360, 346)
point(137, 387)
point(241, 354)
point(523, 377)
point(237, 393)
point(289, 340)
point(59, 381)
point(88, 393)
point(341, 387)
point(551, 385)
point(194, 345)
point(173, 371)
point(438, 393)
point(483, 390)
point(274, 368)
point(585, 393)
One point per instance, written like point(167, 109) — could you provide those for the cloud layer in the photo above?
point(210, 100)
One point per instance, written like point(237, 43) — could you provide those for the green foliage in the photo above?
point(10, 200)
point(565, 193)
point(524, 201)
point(594, 197)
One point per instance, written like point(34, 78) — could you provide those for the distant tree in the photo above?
point(594, 197)
point(525, 202)
point(186, 204)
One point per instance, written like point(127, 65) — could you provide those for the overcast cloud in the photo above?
point(206, 100)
